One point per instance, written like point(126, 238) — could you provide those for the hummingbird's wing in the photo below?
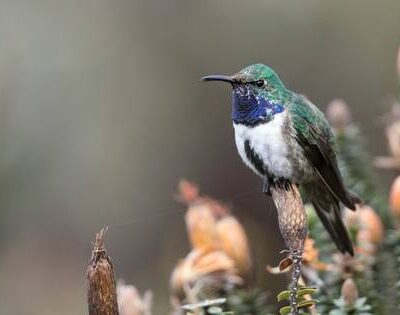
point(313, 133)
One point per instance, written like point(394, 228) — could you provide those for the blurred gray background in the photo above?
point(102, 113)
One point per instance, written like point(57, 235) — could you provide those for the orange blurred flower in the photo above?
point(211, 226)
point(201, 226)
point(369, 228)
point(220, 252)
point(233, 241)
point(201, 270)
point(311, 255)
point(188, 191)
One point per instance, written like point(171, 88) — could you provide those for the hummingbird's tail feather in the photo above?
point(327, 208)
point(354, 199)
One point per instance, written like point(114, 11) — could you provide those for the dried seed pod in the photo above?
point(101, 292)
point(284, 264)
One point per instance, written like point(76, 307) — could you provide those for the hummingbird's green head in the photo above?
point(262, 76)
point(257, 94)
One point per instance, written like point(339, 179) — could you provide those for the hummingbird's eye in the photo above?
point(259, 83)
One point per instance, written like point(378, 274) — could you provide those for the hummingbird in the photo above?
point(284, 138)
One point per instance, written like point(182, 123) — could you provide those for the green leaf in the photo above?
point(340, 302)
point(305, 291)
point(284, 295)
point(214, 310)
point(285, 310)
point(336, 312)
point(307, 304)
point(360, 302)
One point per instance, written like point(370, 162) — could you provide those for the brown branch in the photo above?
point(101, 290)
point(291, 215)
point(293, 226)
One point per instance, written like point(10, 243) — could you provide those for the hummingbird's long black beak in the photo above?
point(223, 78)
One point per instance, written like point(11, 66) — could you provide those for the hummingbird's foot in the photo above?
point(266, 185)
point(282, 183)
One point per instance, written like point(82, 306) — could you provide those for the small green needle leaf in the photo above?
point(284, 295)
point(305, 290)
point(307, 304)
point(285, 310)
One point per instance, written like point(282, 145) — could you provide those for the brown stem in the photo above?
point(293, 226)
point(101, 290)
point(291, 215)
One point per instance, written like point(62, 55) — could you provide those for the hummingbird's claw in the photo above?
point(266, 185)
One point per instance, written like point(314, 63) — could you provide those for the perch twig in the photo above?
point(293, 227)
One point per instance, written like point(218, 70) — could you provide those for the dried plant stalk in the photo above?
point(291, 215)
point(101, 291)
point(293, 226)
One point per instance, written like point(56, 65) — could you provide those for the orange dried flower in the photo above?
point(311, 255)
point(201, 226)
point(369, 228)
point(394, 198)
point(210, 225)
point(188, 191)
point(310, 252)
point(220, 253)
point(226, 233)
point(233, 241)
point(198, 266)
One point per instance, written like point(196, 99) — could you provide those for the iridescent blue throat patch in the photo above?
point(251, 109)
